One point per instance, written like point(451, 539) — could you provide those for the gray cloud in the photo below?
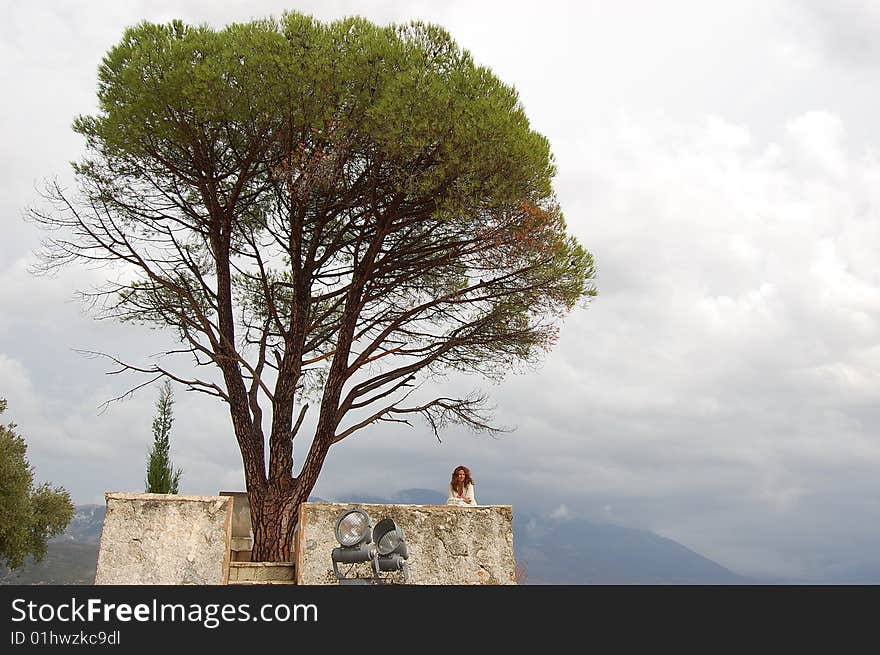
point(845, 31)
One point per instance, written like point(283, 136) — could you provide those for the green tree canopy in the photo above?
point(322, 212)
point(162, 477)
point(29, 515)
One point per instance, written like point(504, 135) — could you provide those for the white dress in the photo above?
point(456, 499)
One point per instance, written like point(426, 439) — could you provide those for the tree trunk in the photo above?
point(273, 519)
point(274, 514)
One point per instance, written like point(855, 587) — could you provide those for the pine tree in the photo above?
point(162, 477)
point(325, 215)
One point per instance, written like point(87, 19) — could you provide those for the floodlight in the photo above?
point(389, 538)
point(390, 546)
point(384, 547)
point(353, 528)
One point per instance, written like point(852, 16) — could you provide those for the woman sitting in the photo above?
point(461, 488)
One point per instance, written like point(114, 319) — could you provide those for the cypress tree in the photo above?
point(162, 477)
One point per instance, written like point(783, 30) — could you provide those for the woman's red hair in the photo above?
point(460, 487)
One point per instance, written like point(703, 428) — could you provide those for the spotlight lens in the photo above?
point(352, 528)
point(388, 542)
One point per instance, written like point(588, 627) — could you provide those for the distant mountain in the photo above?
point(575, 551)
point(571, 551)
point(404, 497)
point(85, 526)
point(71, 557)
point(64, 564)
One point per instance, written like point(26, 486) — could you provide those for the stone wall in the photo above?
point(447, 545)
point(165, 539)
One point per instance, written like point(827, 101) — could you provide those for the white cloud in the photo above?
point(818, 137)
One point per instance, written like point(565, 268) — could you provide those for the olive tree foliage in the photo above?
point(29, 515)
point(325, 214)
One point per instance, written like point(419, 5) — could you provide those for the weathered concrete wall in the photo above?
point(447, 545)
point(165, 539)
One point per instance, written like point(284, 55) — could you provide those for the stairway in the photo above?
point(261, 573)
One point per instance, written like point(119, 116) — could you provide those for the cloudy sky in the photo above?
point(720, 160)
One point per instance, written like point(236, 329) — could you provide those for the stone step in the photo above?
point(260, 572)
point(262, 582)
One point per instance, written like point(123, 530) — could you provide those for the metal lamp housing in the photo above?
point(354, 555)
point(383, 546)
point(390, 545)
point(353, 528)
